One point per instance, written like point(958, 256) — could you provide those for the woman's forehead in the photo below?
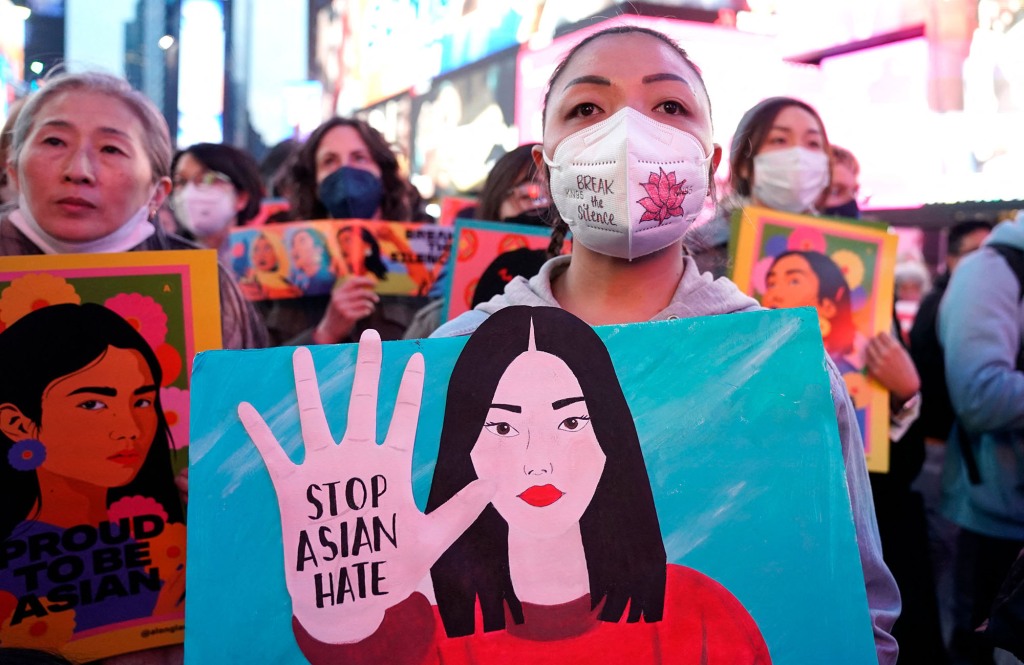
point(86, 108)
point(631, 54)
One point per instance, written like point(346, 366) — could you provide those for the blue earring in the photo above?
point(27, 455)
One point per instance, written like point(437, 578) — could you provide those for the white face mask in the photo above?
point(128, 236)
point(628, 185)
point(205, 210)
point(790, 180)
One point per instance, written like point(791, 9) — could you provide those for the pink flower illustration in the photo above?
point(175, 406)
point(134, 506)
point(807, 240)
point(143, 313)
point(664, 197)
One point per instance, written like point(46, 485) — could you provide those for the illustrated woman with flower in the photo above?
point(541, 537)
point(92, 524)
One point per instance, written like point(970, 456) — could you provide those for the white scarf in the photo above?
point(129, 235)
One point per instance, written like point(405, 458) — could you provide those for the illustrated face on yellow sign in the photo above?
point(94, 423)
point(812, 279)
point(844, 270)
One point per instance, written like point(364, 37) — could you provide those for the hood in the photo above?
point(1009, 233)
point(698, 294)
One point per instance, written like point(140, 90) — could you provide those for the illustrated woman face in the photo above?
point(263, 256)
point(791, 283)
point(345, 235)
point(98, 423)
point(305, 253)
point(537, 445)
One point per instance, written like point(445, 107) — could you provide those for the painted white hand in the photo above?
point(355, 543)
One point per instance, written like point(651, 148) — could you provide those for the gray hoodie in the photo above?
point(698, 294)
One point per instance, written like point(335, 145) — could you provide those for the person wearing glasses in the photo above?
point(512, 192)
point(216, 187)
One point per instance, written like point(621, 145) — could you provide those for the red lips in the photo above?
point(125, 457)
point(542, 495)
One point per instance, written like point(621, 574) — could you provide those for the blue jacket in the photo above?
point(981, 319)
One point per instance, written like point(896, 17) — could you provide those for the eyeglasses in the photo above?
point(206, 178)
point(529, 194)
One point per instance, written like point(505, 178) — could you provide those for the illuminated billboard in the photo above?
point(12, 53)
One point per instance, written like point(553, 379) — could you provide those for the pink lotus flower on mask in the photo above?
point(664, 197)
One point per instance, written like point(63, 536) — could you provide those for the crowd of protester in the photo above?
point(90, 168)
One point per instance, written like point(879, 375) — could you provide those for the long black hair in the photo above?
point(52, 343)
point(621, 535)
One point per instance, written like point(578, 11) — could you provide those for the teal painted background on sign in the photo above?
point(738, 431)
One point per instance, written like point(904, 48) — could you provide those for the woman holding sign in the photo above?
point(629, 156)
point(90, 159)
point(567, 560)
point(780, 159)
point(346, 170)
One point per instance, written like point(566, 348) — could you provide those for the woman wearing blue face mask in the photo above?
point(346, 170)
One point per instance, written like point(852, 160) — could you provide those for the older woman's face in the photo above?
point(538, 447)
point(84, 171)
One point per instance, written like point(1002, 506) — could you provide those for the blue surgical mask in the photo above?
point(350, 193)
point(850, 209)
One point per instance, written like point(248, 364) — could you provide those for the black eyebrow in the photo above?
point(590, 78)
point(508, 407)
point(98, 390)
point(145, 389)
point(666, 76)
point(784, 128)
point(562, 403)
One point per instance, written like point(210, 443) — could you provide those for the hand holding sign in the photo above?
point(355, 543)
